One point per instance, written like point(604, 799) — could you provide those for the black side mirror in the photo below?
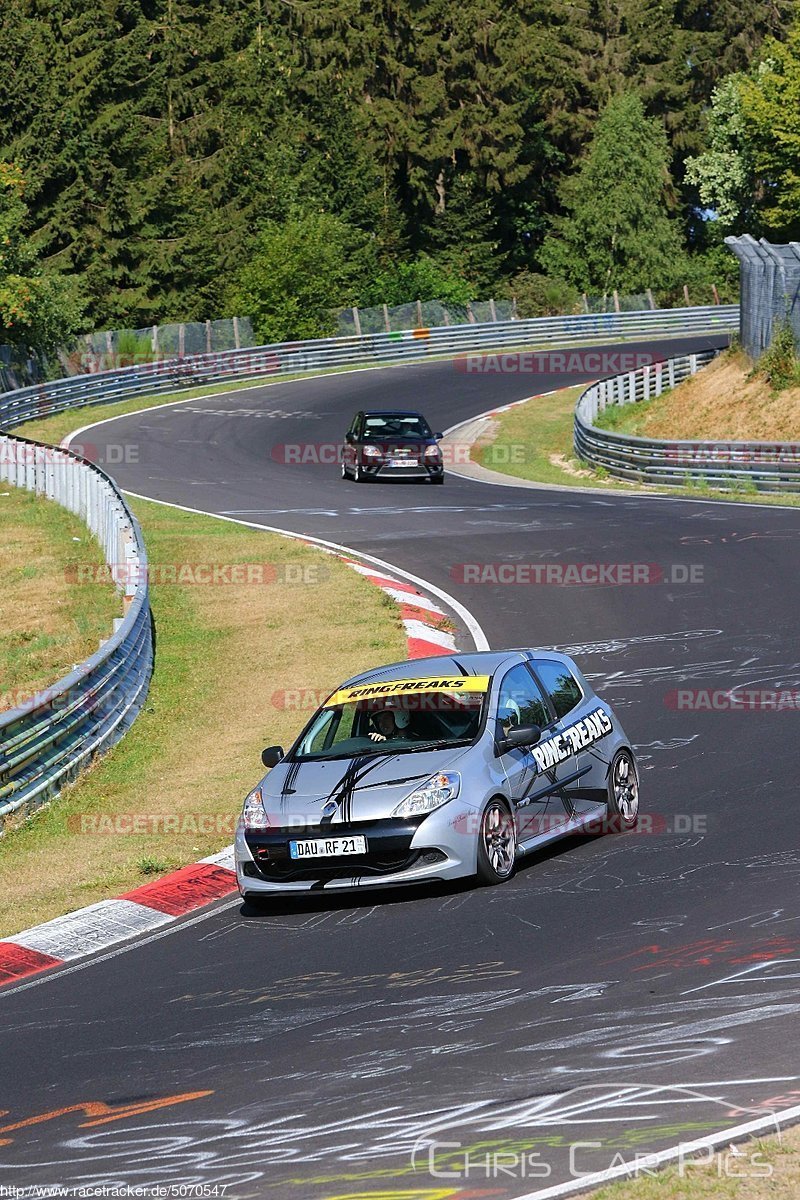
point(349, 438)
point(438, 437)
point(516, 739)
point(272, 756)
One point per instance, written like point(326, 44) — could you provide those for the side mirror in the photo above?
point(516, 739)
point(438, 437)
point(349, 438)
point(272, 756)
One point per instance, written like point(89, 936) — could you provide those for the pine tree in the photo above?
point(617, 233)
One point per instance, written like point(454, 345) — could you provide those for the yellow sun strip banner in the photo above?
point(407, 687)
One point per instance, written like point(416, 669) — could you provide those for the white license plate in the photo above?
point(403, 462)
point(327, 847)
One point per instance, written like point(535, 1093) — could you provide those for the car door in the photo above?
point(532, 787)
point(586, 792)
point(350, 448)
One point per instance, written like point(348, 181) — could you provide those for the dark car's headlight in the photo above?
point(430, 795)
point(433, 452)
point(372, 452)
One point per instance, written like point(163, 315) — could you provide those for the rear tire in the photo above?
point(623, 793)
point(497, 844)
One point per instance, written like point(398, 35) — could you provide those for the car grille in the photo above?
point(275, 866)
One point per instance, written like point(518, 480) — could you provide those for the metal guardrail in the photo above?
point(171, 375)
point(47, 740)
point(767, 466)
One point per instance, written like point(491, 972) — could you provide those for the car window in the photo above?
point(331, 727)
point(520, 701)
point(431, 718)
point(562, 687)
point(396, 425)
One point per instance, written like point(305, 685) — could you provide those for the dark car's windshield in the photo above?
point(395, 425)
point(433, 719)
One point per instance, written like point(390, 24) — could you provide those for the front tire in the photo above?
point(345, 472)
point(497, 844)
point(623, 792)
point(437, 479)
point(358, 474)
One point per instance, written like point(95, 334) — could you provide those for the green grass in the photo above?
point(627, 418)
point(534, 441)
point(49, 620)
point(764, 1169)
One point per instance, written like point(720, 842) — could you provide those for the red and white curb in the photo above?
point(422, 619)
point(109, 922)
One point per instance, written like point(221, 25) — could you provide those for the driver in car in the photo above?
point(391, 722)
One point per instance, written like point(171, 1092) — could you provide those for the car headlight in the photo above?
point(432, 794)
point(432, 452)
point(254, 813)
point(372, 452)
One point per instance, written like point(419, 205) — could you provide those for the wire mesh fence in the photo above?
point(111, 349)
point(770, 290)
point(420, 314)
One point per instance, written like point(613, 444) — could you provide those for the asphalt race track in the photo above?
point(631, 992)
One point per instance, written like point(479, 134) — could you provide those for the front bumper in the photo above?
point(380, 469)
point(398, 852)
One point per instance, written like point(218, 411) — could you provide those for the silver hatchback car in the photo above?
point(436, 769)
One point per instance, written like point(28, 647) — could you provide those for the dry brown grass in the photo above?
point(223, 652)
point(48, 621)
point(722, 402)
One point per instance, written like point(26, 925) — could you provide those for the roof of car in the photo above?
point(479, 662)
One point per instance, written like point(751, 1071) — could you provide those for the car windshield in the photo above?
point(395, 425)
point(433, 719)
